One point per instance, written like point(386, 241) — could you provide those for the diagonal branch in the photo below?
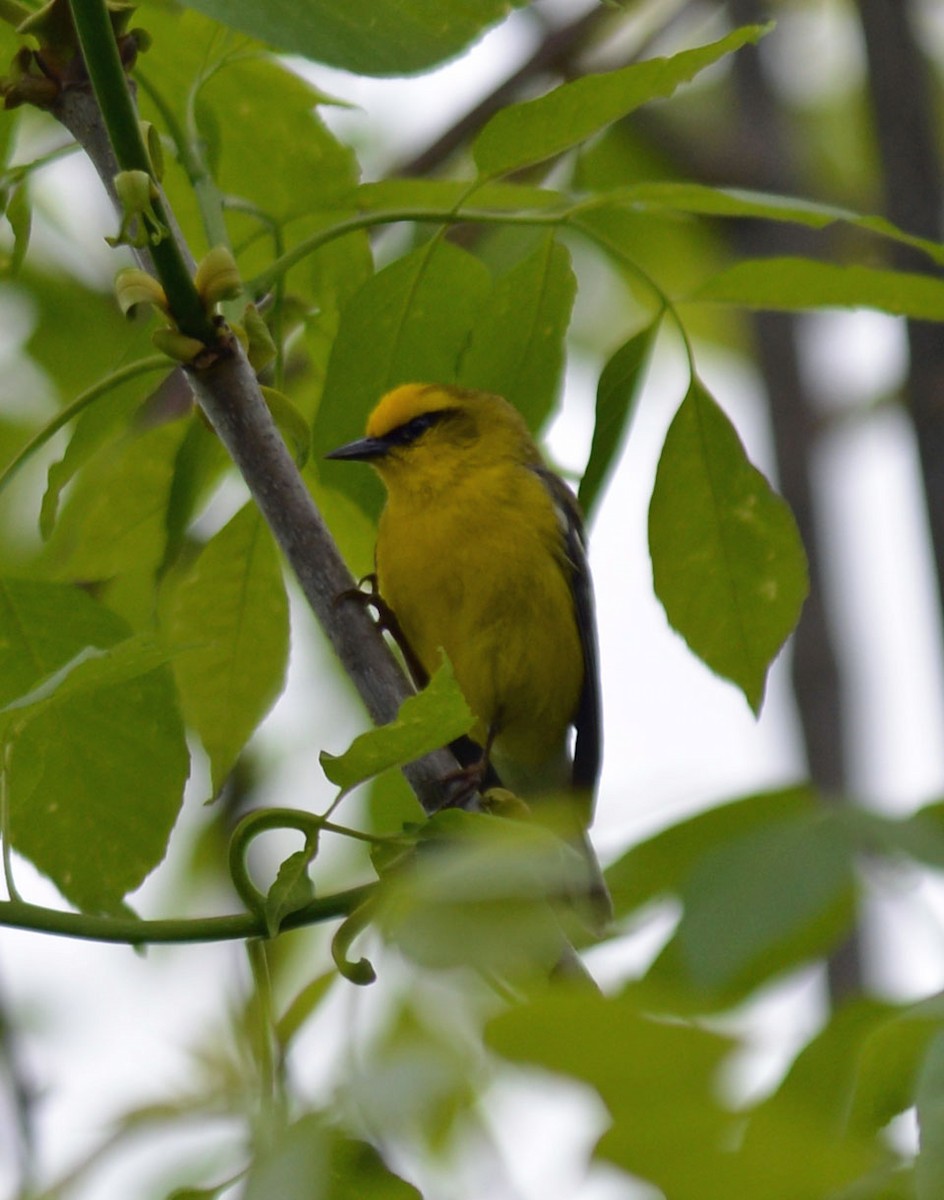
point(229, 395)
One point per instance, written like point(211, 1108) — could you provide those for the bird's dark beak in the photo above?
point(363, 450)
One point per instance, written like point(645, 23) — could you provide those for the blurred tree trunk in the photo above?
point(903, 106)
point(767, 158)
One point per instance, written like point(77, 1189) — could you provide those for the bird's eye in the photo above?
point(409, 431)
point(419, 425)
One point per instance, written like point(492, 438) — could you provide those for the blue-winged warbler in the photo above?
point(480, 552)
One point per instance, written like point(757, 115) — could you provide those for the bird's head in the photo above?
point(427, 434)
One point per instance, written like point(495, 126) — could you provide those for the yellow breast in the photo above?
point(479, 571)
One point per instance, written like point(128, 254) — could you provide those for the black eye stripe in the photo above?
point(404, 434)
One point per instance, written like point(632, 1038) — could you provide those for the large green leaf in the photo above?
point(475, 894)
point(371, 37)
point(227, 620)
point(727, 560)
point(656, 1080)
point(68, 314)
point(98, 757)
point(101, 421)
point(251, 133)
point(661, 865)
point(794, 284)
point(409, 322)
point(762, 902)
point(115, 520)
point(534, 130)
point(669, 1123)
point(517, 344)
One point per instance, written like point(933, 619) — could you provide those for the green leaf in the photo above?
point(291, 890)
point(431, 719)
point(476, 893)
point(357, 1171)
point(529, 132)
point(661, 865)
point(69, 314)
point(794, 1154)
point(115, 520)
point(738, 203)
point(101, 411)
point(19, 214)
point(302, 1006)
point(795, 284)
point(308, 1160)
point(655, 1078)
point(658, 1078)
point(929, 1102)
point(198, 1193)
point(369, 37)
point(98, 759)
point(920, 835)
point(618, 391)
point(90, 669)
point(822, 1079)
point(516, 346)
point(227, 619)
point(889, 1064)
point(727, 561)
point(272, 159)
point(765, 901)
point(415, 315)
point(294, 1164)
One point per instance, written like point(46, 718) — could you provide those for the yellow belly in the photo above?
point(489, 585)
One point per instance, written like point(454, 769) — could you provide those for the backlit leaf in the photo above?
point(534, 130)
point(516, 346)
point(727, 560)
point(97, 765)
point(227, 620)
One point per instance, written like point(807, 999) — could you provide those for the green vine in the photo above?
point(18, 914)
point(157, 362)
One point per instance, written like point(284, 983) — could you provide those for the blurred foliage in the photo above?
point(141, 599)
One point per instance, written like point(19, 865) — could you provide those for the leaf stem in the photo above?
point(265, 280)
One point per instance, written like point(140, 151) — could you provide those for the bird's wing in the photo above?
point(587, 721)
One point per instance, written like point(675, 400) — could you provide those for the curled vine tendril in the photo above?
point(248, 829)
point(260, 904)
point(359, 970)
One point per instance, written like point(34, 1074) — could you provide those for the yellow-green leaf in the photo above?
point(727, 561)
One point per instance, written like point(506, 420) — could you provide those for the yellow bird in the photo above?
point(481, 552)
